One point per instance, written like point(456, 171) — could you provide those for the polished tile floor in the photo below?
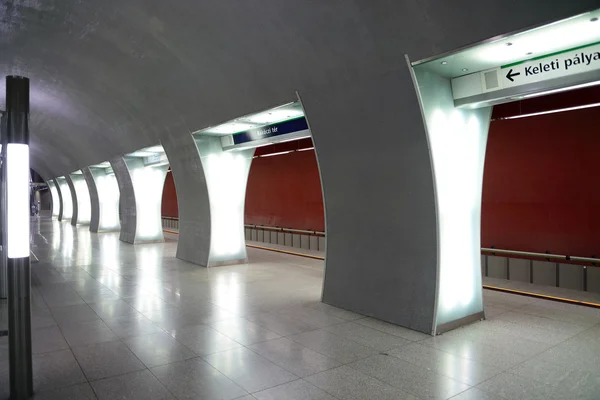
point(115, 321)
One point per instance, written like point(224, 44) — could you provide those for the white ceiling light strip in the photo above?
point(551, 111)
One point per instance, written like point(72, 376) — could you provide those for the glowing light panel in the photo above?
point(226, 176)
point(17, 199)
point(84, 207)
point(457, 140)
point(55, 199)
point(67, 200)
point(108, 199)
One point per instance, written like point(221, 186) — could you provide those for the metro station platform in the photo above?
point(116, 321)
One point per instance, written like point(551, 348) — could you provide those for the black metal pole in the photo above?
point(19, 273)
point(3, 266)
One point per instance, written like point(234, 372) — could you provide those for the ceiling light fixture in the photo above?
point(465, 69)
point(444, 62)
point(553, 111)
point(509, 44)
point(583, 85)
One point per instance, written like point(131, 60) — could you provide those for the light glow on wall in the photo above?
point(457, 140)
point(108, 199)
point(17, 199)
point(67, 200)
point(148, 183)
point(84, 207)
point(55, 199)
point(226, 177)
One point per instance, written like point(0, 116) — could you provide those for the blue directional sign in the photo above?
point(278, 129)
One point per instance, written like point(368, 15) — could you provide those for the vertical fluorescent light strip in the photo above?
point(17, 196)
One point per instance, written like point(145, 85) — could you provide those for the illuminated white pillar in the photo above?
point(104, 197)
point(226, 175)
point(457, 141)
point(141, 190)
point(66, 199)
point(81, 199)
point(55, 198)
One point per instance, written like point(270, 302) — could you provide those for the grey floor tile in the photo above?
point(91, 332)
point(296, 390)
point(249, 370)
point(392, 329)
point(203, 340)
point(44, 340)
point(578, 383)
point(476, 394)
point(140, 385)
point(333, 346)
point(347, 383)
point(332, 310)
point(42, 319)
point(510, 386)
point(452, 366)
point(103, 360)
point(311, 316)
point(55, 370)
point(243, 331)
point(73, 314)
point(573, 354)
point(112, 308)
point(82, 391)
point(195, 378)
point(280, 324)
point(366, 336)
point(409, 377)
point(131, 325)
point(294, 357)
point(158, 348)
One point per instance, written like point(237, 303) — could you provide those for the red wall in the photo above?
point(169, 198)
point(285, 191)
point(541, 186)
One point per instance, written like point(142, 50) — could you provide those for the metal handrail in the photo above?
point(564, 257)
point(541, 255)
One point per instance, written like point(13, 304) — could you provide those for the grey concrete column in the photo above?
point(73, 199)
point(104, 199)
point(128, 209)
point(192, 199)
point(95, 204)
point(141, 195)
point(379, 198)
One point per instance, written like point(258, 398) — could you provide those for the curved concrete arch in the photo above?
point(55, 206)
point(128, 207)
point(141, 189)
point(95, 203)
point(345, 58)
point(73, 199)
point(60, 200)
point(66, 198)
point(192, 199)
point(104, 199)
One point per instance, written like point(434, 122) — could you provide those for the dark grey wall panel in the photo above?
point(544, 273)
point(570, 276)
point(497, 267)
point(593, 279)
point(519, 269)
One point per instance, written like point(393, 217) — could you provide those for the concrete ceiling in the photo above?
point(109, 77)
